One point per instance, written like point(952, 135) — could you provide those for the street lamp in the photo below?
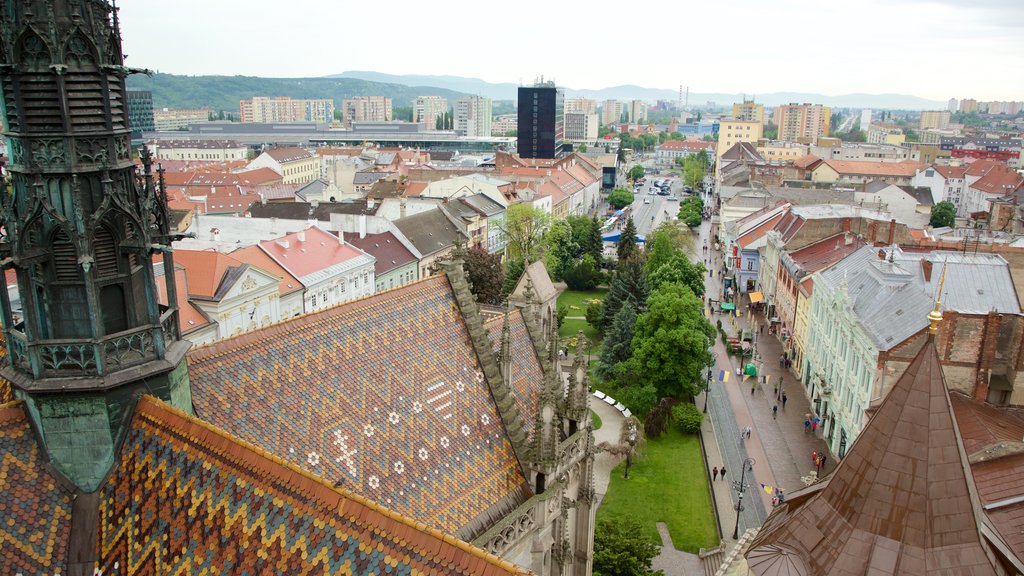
point(741, 487)
point(707, 385)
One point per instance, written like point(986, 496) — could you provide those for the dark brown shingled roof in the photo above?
point(901, 502)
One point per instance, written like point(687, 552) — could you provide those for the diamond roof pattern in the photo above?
point(527, 374)
point(189, 499)
point(899, 503)
point(35, 507)
point(383, 396)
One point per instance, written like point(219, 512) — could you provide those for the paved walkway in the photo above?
point(779, 445)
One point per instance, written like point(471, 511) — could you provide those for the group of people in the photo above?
point(819, 461)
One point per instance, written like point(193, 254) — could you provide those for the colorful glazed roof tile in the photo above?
point(527, 374)
point(383, 396)
point(35, 506)
point(901, 502)
point(6, 392)
point(187, 498)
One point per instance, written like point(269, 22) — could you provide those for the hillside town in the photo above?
point(359, 334)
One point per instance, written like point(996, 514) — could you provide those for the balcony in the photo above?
point(78, 358)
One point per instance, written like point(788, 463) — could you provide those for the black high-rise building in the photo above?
point(541, 114)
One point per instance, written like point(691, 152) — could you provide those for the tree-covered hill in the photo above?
point(224, 92)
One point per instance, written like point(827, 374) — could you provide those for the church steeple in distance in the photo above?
point(80, 228)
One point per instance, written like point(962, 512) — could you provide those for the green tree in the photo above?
point(583, 274)
point(635, 173)
point(560, 249)
point(621, 550)
point(670, 343)
point(627, 241)
point(524, 225)
point(513, 272)
point(943, 214)
point(484, 273)
point(668, 240)
point(581, 148)
point(688, 417)
point(595, 244)
point(628, 285)
point(679, 270)
point(620, 198)
point(617, 345)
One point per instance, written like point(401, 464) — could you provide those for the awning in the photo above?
point(756, 297)
point(728, 306)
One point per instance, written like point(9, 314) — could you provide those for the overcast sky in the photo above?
point(931, 48)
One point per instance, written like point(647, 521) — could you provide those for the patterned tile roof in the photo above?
point(188, 498)
point(384, 396)
point(34, 505)
point(527, 374)
point(6, 392)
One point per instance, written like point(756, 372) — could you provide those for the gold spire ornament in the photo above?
point(935, 316)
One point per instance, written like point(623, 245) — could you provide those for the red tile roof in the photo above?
point(204, 269)
point(951, 172)
point(288, 154)
point(184, 489)
point(319, 250)
point(863, 168)
point(389, 252)
point(254, 256)
point(807, 161)
point(999, 180)
point(982, 167)
point(826, 252)
point(190, 317)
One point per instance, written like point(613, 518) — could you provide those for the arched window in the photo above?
point(67, 306)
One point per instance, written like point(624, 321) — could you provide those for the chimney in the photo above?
point(926, 267)
point(370, 203)
point(892, 230)
point(301, 236)
point(282, 243)
point(881, 254)
point(362, 225)
point(216, 234)
point(848, 238)
point(341, 237)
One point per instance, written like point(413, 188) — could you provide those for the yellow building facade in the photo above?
point(732, 132)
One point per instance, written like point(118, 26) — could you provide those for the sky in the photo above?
point(937, 49)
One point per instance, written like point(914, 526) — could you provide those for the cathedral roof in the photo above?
point(189, 497)
point(384, 396)
point(901, 502)
point(34, 504)
point(527, 373)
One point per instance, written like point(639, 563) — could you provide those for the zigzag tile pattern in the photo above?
point(188, 499)
point(6, 393)
point(383, 396)
point(34, 507)
point(527, 374)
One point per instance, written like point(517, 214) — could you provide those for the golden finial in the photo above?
point(935, 316)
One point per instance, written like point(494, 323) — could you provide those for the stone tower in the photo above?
point(81, 226)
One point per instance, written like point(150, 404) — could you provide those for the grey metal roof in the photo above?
point(483, 204)
point(429, 231)
point(891, 300)
point(369, 177)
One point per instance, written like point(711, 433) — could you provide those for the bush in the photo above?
point(687, 417)
point(560, 315)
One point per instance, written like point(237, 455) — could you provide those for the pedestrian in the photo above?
point(776, 391)
point(762, 329)
point(753, 386)
point(775, 412)
point(814, 456)
point(807, 426)
point(722, 472)
point(784, 398)
point(822, 456)
point(775, 501)
point(714, 473)
point(814, 427)
point(782, 360)
point(749, 432)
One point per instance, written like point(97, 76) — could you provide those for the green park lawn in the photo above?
point(666, 484)
point(576, 303)
point(595, 420)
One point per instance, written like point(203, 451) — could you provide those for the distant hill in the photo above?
point(508, 91)
point(224, 92)
point(505, 91)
